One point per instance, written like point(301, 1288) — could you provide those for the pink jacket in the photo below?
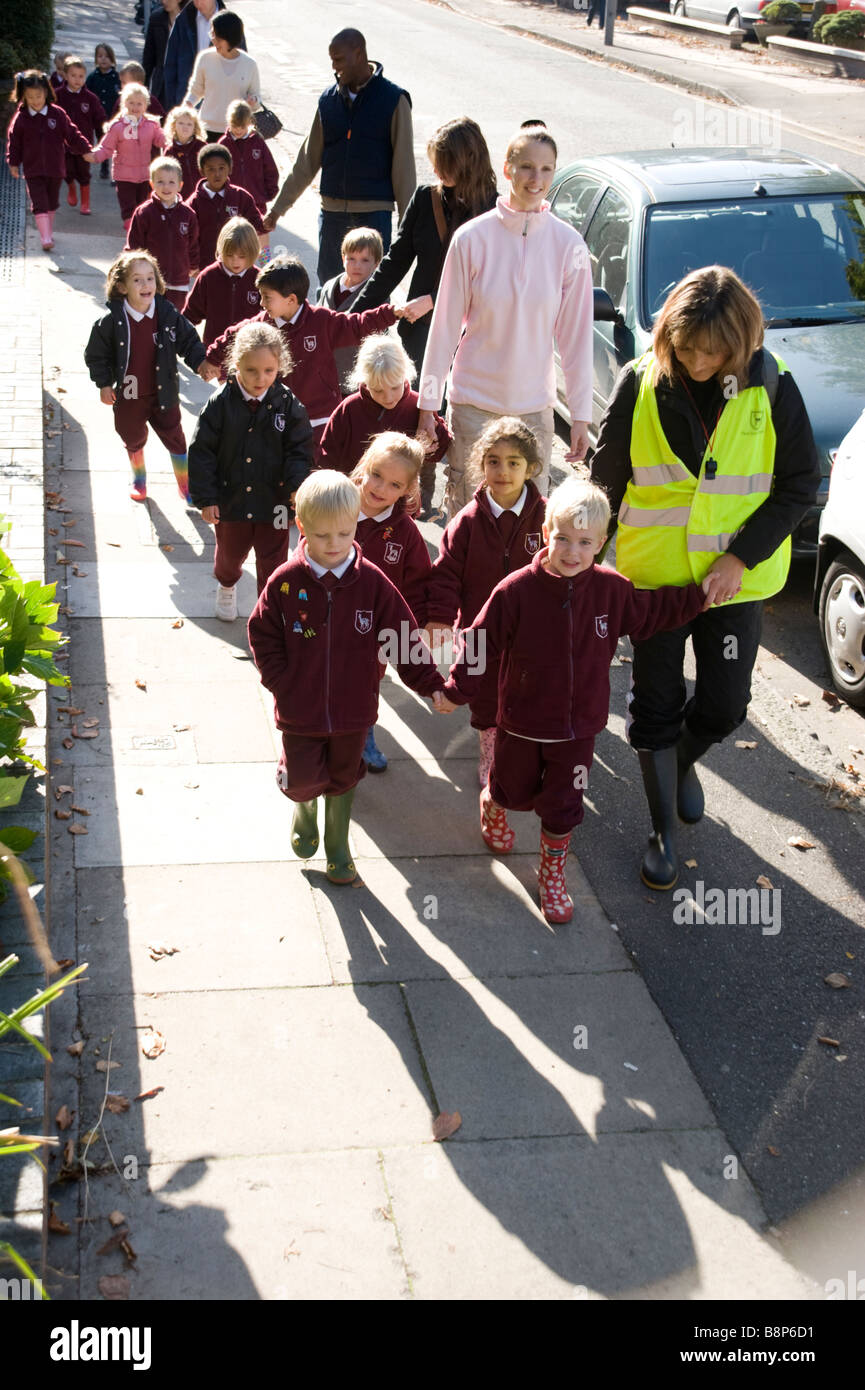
point(515, 281)
point(132, 147)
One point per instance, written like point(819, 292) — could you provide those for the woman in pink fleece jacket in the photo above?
point(130, 138)
point(516, 280)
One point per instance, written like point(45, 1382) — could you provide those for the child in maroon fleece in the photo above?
point(39, 136)
point(215, 200)
point(84, 108)
point(315, 636)
point(554, 626)
point(225, 292)
point(168, 229)
point(498, 532)
point(387, 477)
point(186, 137)
point(253, 166)
point(133, 72)
point(311, 333)
point(383, 400)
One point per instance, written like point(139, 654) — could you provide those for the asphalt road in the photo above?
point(748, 1003)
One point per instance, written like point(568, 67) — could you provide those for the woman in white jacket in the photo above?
point(223, 74)
point(516, 281)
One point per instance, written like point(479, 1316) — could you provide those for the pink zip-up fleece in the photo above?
point(515, 281)
point(132, 147)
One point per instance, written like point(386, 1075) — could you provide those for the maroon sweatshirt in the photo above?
point(187, 157)
point(473, 557)
point(358, 419)
point(253, 167)
point(85, 110)
point(222, 299)
point(213, 213)
point(311, 340)
point(398, 549)
point(38, 144)
point(169, 234)
point(317, 649)
point(555, 638)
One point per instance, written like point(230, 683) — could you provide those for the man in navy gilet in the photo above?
point(361, 140)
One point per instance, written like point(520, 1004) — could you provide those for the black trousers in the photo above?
point(725, 642)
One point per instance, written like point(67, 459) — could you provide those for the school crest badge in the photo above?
point(52, 124)
point(392, 552)
point(363, 620)
point(85, 106)
point(256, 154)
point(601, 627)
point(183, 228)
point(279, 422)
point(252, 297)
point(757, 417)
point(170, 333)
point(533, 542)
point(310, 343)
point(232, 212)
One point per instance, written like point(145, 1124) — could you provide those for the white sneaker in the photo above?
point(226, 603)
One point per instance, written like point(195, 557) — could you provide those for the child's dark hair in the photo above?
point(135, 71)
point(118, 271)
point(214, 151)
point(32, 77)
point(108, 49)
point(508, 429)
point(287, 275)
point(229, 26)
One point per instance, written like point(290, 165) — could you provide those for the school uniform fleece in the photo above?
point(171, 235)
point(222, 299)
point(187, 157)
point(86, 111)
point(316, 648)
point(358, 419)
point(397, 547)
point(37, 144)
point(213, 210)
point(253, 167)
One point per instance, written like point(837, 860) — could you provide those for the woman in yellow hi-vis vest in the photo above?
point(707, 456)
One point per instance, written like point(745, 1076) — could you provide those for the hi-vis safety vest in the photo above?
point(673, 526)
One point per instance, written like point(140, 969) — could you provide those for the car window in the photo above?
point(802, 257)
point(575, 197)
point(608, 239)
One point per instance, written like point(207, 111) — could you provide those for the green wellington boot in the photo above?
point(304, 829)
point(337, 817)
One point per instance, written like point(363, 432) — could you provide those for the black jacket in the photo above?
point(248, 463)
point(417, 240)
point(155, 43)
point(797, 467)
point(107, 351)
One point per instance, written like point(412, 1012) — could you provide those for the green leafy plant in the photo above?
point(782, 12)
point(29, 28)
point(838, 29)
point(10, 59)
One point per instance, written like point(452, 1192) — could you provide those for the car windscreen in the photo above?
point(804, 258)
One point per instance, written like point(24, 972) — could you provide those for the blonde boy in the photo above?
point(168, 229)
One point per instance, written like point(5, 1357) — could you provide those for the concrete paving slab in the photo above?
point(230, 922)
point(290, 1228)
point(305, 1065)
point(631, 1216)
point(177, 591)
point(411, 921)
point(557, 1047)
point(215, 651)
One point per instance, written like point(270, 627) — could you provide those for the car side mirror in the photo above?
point(605, 309)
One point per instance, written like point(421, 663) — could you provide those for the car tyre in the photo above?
point(842, 627)
point(679, 8)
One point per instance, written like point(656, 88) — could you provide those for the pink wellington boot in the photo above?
point(43, 224)
point(556, 903)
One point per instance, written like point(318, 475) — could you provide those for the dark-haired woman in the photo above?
point(707, 456)
point(223, 74)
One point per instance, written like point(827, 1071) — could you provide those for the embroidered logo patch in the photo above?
point(392, 552)
point(233, 212)
point(252, 297)
point(310, 343)
point(279, 422)
point(85, 106)
point(302, 595)
point(183, 228)
point(285, 588)
point(170, 333)
point(52, 124)
point(297, 628)
point(757, 418)
point(601, 625)
point(363, 620)
point(533, 542)
point(256, 154)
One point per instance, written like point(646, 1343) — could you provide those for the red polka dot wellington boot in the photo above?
point(556, 903)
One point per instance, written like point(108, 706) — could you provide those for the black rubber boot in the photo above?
point(689, 800)
point(304, 829)
point(660, 867)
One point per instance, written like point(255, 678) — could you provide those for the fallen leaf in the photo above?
point(69, 743)
point(776, 1153)
point(139, 791)
point(67, 540)
point(158, 949)
point(830, 697)
point(181, 728)
point(75, 1049)
point(83, 733)
point(178, 623)
point(90, 723)
point(63, 815)
point(63, 1118)
point(801, 701)
point(117, 1104)
point(69, 709)
point(106, 1066)
point(148, 1095)
point(82, 810)
point(744, 743)
point(690, 863)
point(836, 980)
point(66, 963)
point(55, 1224)
point(76, 829)
point(849, 955)
point(153, 1043)
point(166, 547)
point(142, 685)
point(763, 882)
point(191, 786)
point(69, 1153)
point(830, 1042)
point(52, 531)
point(61, 791)
point(114, 1286)
point(116, 544)
point(117, 1218)
point(71, 522)
point(797, 842)
point(446, 1124)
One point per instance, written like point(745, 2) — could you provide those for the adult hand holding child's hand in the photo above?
point(415, 308)
point(441, 703)
point(724, 579)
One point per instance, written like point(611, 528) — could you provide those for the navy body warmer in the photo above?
point(357, 155)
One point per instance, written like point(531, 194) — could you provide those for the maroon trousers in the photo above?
point(77, 168)
point(547, 778)
point(44, 193)
point(235, 539)
point(130, 196)
point(314, 765)
point(131, 419)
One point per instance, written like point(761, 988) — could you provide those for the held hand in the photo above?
point(89, 159)
point(426, 424)
point(210, 515)
point(726, 577)
point(269, 220)
point(579, 441)
point(429, 442)
point(414, 309)
point(107, 395)
point(207, 371)
point(441, 703)
point(13, 170)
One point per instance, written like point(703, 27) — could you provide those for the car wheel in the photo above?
point(679, 8)
point(734, 20)
point(842, 627)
